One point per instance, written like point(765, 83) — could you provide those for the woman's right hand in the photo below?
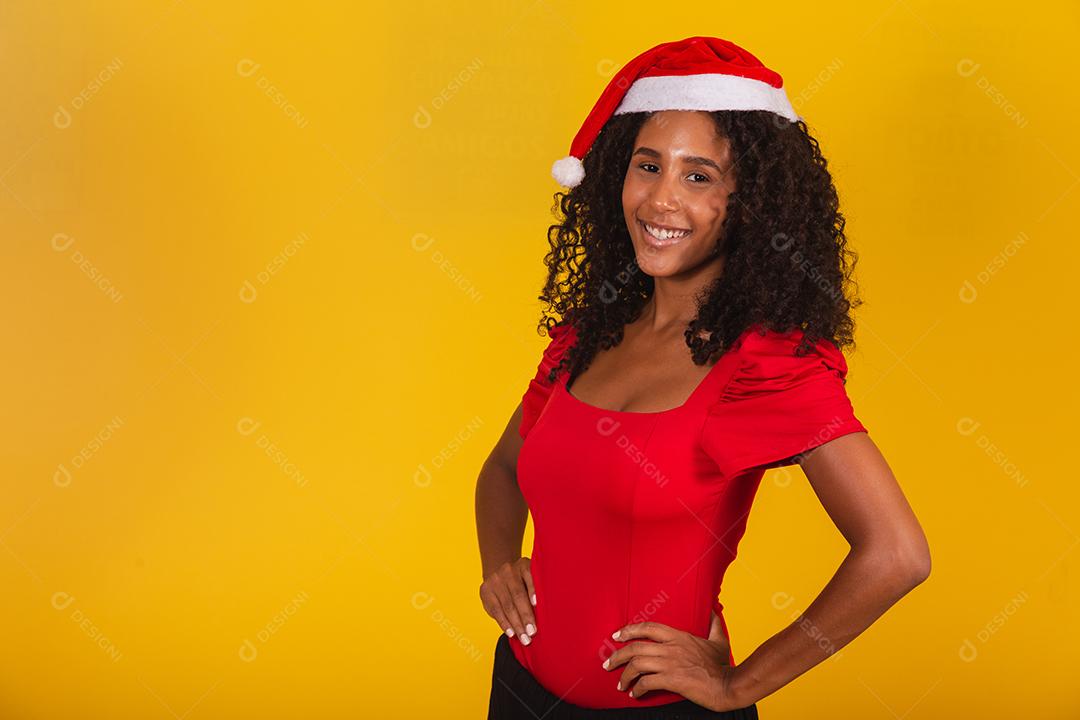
point(508, 596)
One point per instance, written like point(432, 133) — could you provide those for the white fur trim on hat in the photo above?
point(708, 91)
point(569, 171)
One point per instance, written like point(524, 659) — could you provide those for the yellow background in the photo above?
point(269, 299)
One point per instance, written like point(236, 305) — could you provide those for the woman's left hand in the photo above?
point(697, 668)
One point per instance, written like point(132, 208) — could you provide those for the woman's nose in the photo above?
point(663, 199)
point(664, 196)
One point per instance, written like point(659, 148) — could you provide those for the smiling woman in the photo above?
point(675, 198)
point(701, 276)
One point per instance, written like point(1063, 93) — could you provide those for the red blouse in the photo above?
point(637, 515)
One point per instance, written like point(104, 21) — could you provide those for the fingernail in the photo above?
point(509, 632)
point(620, 686)
point(606, 663)
point(615, 635)
point(525, 639)
point(530, 629)
point(534, 599)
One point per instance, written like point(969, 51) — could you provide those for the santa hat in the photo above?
point(698, 73)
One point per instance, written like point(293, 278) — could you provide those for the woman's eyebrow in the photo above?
point(691, 159)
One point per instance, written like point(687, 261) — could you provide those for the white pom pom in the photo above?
point(569, 171)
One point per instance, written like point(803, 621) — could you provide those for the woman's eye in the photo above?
point(704, 178)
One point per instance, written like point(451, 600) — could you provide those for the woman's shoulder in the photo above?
point(564, 332)
point(780, 402)
point(561, 337)
point(770, 360)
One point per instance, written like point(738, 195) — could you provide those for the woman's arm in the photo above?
point(501, 512)
point(889, 556)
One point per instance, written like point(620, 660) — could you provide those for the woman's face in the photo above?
point(676, 190)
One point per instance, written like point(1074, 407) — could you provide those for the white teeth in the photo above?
point(664, 234)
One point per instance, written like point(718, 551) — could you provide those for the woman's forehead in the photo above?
point(682, 132)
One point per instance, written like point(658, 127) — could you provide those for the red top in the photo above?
point(637, 515)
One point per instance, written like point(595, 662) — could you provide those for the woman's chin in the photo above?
point(657, 266)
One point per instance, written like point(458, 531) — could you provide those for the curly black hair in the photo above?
point(786, 264)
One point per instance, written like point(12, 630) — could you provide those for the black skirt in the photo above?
point(515, 693)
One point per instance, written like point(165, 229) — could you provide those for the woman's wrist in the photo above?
point(496, 558)
point(743, 687)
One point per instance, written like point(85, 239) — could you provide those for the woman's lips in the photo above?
point(659, 243)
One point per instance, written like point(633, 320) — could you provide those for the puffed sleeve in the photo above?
point(534, 400)
point(778, 406)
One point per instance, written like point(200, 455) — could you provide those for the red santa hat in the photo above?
point(698, 73)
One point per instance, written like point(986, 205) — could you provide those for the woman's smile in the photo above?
point(661, 236)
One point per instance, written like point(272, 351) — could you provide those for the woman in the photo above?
point(701, 273)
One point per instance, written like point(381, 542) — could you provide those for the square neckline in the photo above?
point(724, 359)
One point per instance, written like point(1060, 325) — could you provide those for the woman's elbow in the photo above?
point(914, 559)
point(918, 568)
point(903, 562)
